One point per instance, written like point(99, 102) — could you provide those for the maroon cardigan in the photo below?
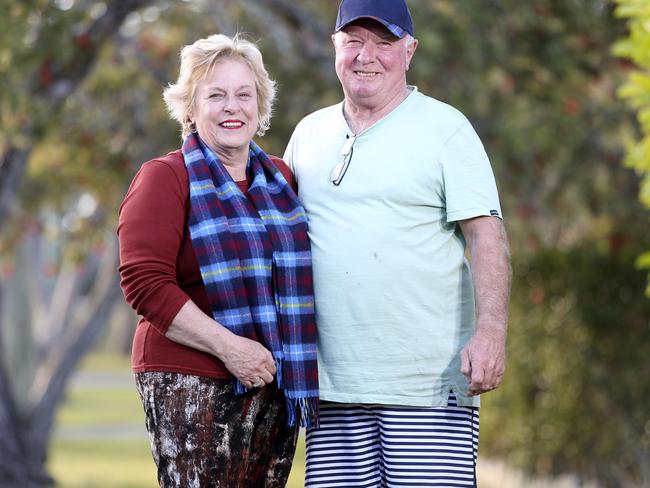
point(158, 268)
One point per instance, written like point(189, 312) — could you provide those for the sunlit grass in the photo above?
point(121, 464)
point(101, 441)
point(102, 458)
point(102, 464)
point(103, 362)
point(297, 476)
point(101, 407)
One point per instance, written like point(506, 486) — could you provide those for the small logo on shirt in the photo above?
point(494, 213)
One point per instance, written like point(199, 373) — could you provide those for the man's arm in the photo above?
point(483, 359)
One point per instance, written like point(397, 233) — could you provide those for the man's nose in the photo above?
point(367, 52)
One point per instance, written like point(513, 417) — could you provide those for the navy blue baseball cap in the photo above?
point(393, 14)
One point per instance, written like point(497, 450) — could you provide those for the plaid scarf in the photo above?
point(255, 261)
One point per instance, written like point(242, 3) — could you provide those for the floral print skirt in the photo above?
point(203, 435)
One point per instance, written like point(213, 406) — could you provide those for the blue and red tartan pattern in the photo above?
point(255, 261)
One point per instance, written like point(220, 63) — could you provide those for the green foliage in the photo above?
point(636, 91)
point(537, 83)
point(539, 86)
point(576, 392)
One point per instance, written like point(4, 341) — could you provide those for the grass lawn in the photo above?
point(120, 464)
point(100, 441)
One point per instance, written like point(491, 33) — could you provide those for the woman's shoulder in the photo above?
point(162, 174)
point(284, 169)
point(173, 160)
point(279, 163)
point(159, 181)
point(171, 165)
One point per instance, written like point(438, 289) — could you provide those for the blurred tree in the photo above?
point(45, 54)
point(637, 91)
point(55, 51)
point(81, 107)
point(538, 82)
point(577, 396)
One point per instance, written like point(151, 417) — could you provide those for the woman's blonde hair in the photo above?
point(196, 62)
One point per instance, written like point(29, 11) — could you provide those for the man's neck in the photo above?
point(360, 116)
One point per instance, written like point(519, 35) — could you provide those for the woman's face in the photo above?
point(225, 107)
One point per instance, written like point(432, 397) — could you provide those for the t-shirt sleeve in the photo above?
point(289, 152)
point(469, 184)
point(150, 230)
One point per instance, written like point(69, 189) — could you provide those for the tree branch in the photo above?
point(52, 376)
point(87, 47)
point(65, 80)
point(12, 169)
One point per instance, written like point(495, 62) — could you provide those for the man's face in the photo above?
point(371, 63)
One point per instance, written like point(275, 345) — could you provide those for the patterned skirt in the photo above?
point(203, 435)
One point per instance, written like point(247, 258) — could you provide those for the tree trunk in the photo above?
point(25, 432)
point(17, 470)
point(12, 168)
point(54, 374)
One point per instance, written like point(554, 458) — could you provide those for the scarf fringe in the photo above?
point(239, 387)
point(308, 408)
point(279, 366)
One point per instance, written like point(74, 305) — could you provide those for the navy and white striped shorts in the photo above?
point(373, 446)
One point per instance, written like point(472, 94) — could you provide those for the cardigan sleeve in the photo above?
point(150, 230)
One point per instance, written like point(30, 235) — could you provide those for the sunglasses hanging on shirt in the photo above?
point(342, 167)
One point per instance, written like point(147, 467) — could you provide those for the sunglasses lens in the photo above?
point(346, 155)
point(336, 172)
point(347, 147)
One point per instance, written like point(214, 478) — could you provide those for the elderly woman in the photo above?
point(215, 259)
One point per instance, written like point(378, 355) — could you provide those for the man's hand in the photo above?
point(483, 361)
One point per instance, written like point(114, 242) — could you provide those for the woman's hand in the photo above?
point(249, 361)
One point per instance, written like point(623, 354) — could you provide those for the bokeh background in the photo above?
point(559, 92)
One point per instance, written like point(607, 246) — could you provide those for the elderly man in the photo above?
point(397, 187)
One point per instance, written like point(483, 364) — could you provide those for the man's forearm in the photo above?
point(491, 271)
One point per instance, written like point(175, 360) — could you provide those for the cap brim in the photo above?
point(395, 30)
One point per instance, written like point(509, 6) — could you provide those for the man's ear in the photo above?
point(410, 51)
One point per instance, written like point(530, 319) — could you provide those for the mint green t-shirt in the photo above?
point(394, 296)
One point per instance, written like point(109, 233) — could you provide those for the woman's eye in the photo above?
point(245, 96)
